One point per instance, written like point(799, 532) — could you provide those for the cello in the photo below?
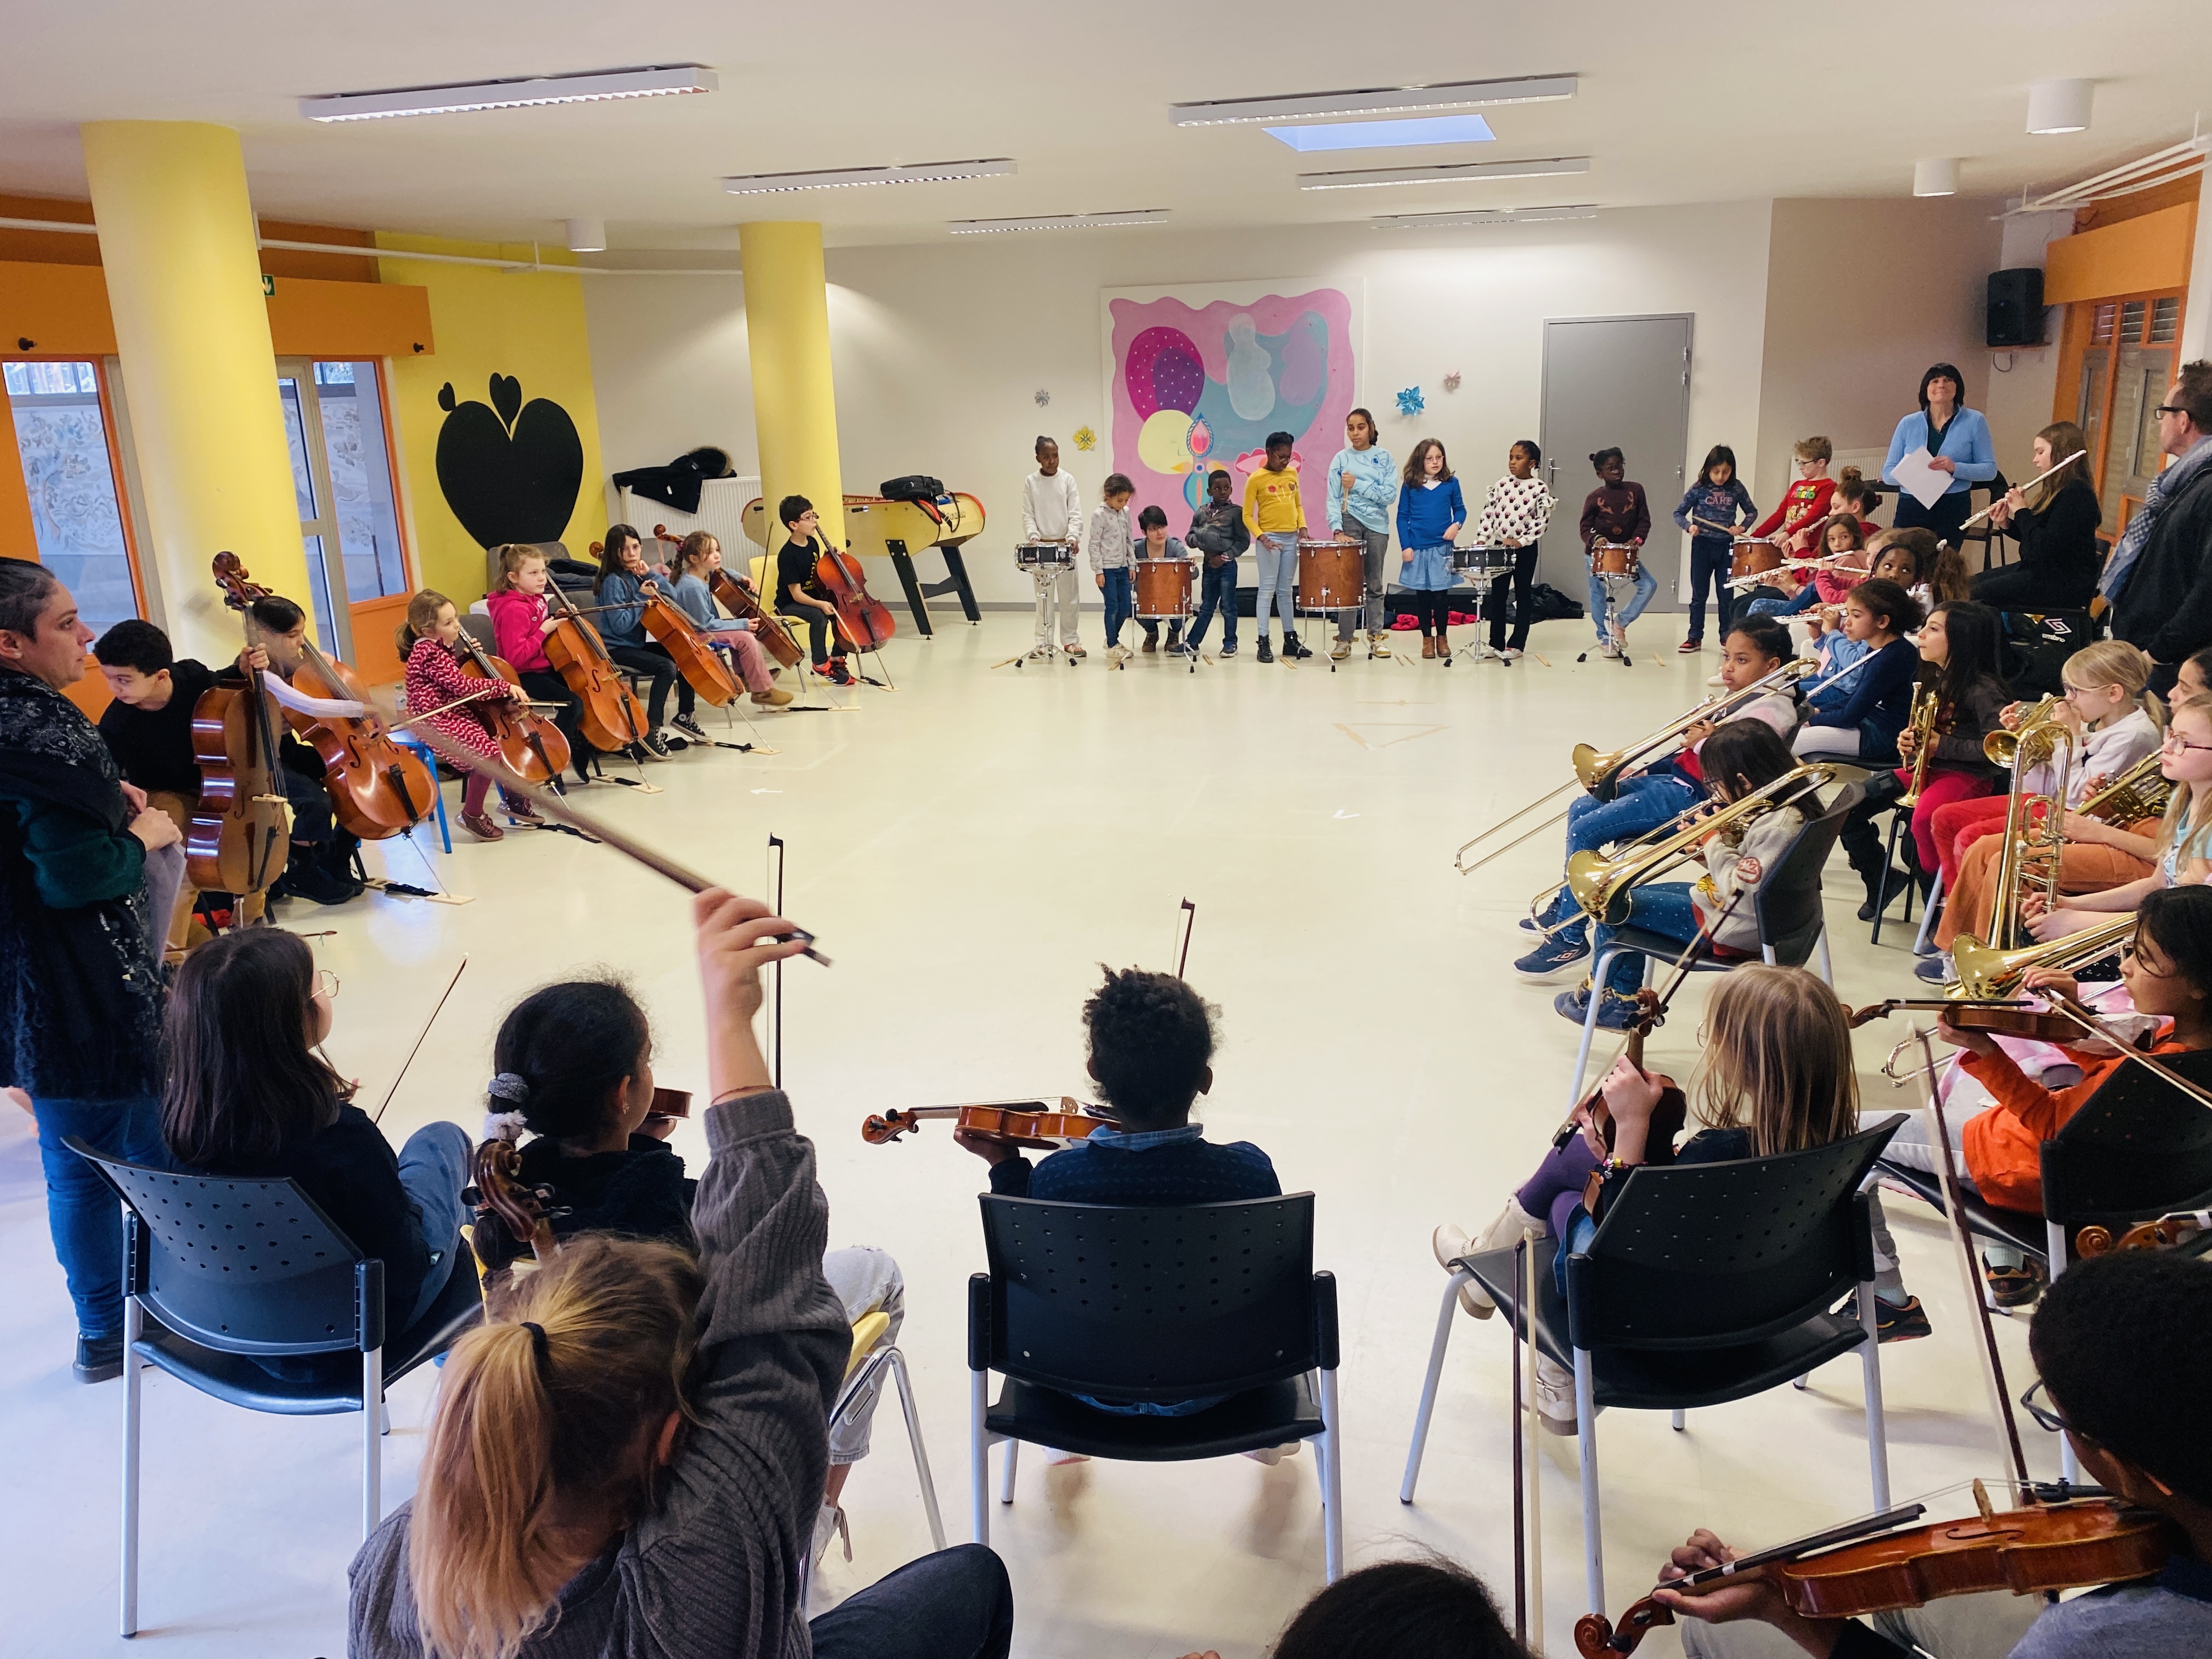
point(375, 784)
point(863, 621)
point(532, 744)
point(701, 665)
point(241, 832)
point(742, 603)
point(614, 719)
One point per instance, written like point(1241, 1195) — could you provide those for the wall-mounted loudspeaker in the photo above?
point(2016, 312)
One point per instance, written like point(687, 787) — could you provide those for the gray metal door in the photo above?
point(1624, 382)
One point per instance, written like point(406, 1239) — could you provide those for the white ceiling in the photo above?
point(1679, 103)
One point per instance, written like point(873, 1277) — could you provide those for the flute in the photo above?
point(2029, 485)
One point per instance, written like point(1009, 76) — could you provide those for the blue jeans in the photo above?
point(1279, 580)
point(433, 1167)
point(1710, 558)
point(1808, 597)
point(1642, 803)
point(82, 1210)
point(1646, 586)
point(1119, 604)
point(1662, 907)
point(956, 1604)
point(1217, 586)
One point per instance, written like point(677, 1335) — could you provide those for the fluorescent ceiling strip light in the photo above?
point(1484, 216)
point(1374, 100)
point(1386, 135)
point(1057, 221)
point(511, 94)
point(921, 172)
point(1460, 173)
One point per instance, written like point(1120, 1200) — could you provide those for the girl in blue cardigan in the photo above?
point(1431, 513)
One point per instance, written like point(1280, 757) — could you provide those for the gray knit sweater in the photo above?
point(713, 1570)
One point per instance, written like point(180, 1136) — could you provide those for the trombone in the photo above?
point(1601, 773)
point(1988, 971)
point(1600, 885)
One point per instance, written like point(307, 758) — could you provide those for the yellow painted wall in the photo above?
point(487, 322)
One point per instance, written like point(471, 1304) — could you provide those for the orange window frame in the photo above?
point(2075, 343)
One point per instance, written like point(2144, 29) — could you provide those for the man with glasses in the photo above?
point(86, 869)
point(2159, 579)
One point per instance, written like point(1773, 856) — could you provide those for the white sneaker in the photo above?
point(1609, 649)
point(828, 1523)
point(1272, 1456)
point(1511, 653)
point(1484, 653)
point(1555, 1396)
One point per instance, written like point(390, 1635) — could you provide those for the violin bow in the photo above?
point(2085, 1017)
point(1993, 1362)
point(776, 851)
point(436, 1008)
point(465, 759)
point(1189, 921)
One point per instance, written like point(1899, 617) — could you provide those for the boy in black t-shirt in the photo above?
point(799, 594)
point(148, 730)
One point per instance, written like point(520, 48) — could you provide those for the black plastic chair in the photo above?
point(1155, 1305)
point(1705, 1283)
point(233, 1271)
point(1792, 926)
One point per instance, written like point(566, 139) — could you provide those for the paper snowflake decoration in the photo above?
point(1451, 381)
point(1086, 437)
point(1042, 397)
point(1410, 401)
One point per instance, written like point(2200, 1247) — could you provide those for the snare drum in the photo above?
point(1611, 559)
point(1044, 555)
point(1163, 589)
point(1750, 557)
point(1332, 575)
point(1480, 564)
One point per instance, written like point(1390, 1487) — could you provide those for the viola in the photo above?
point(614, 718)
point(2041, 1546)
point(533, 745)
point(863, 620)
point(702, 666)
point(1016, 1122)
point(377, 788)
point(1992, 1017)
point(241, 832)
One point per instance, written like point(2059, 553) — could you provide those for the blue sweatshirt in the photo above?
point(1373, 485)
point(624, 623)
point(1728, 504)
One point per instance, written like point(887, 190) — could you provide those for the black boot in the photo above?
point(1862, 846)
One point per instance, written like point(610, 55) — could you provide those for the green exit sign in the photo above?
point(267, 286)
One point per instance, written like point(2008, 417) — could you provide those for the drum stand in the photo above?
point(1613, 608)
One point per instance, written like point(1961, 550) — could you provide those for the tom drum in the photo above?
point(1750, 557)
point(1163, 589)
point(1332, 575)
point(1611, 559)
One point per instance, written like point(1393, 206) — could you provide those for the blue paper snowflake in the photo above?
point(1410, 401)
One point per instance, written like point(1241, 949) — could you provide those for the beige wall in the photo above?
point(1862, 296)
point(940, 349)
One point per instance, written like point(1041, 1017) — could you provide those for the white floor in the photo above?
point(969, 848)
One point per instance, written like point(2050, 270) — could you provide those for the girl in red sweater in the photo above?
point(520, 620)
point(434, 682)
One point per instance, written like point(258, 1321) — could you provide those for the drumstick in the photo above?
point(2029, 485)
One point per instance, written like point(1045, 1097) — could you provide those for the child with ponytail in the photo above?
point(437, 688)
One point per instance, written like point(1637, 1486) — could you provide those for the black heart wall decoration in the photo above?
point(510, 471)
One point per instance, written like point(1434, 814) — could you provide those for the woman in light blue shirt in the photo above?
point(1363, 488)
point(1958, 440)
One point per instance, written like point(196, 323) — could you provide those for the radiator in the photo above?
point(721, 515)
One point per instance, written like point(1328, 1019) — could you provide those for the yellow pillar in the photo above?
point(178, 248)
point(794, 402)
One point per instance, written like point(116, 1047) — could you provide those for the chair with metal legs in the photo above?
point(1704, 1283)
point(871, 1357)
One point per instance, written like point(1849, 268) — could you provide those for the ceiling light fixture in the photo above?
point(1935, 176)
point(2059, 105)
point(1463, 172)
point(1057, 221)
point(519, 93)
point(585, 235)
point(1374, 100)
point(1534, 215)
point(1386, 135)
point(921, 173)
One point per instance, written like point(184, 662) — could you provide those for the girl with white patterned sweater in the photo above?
point(1516, 514)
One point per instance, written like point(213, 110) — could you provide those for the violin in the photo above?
point(614, 719)
point(2161, 1234)
point(241, 833)
point(863, 621)
point(702, 666)
point(1671, 1113)
point(2042, 1546)
point(533, 745)
point(510, 1217)
point(1992, 1017)
point(1016, 1122)
point(375, 784)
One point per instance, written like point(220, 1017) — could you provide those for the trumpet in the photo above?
point(2141, 792)
point(1601, 773)
point(1921, 719)
point(1600, 885)
point(1986, 971)
point(2000, 746)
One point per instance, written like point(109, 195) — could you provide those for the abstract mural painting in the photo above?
point(1198, 377)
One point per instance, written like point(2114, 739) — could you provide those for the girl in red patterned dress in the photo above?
point(433, 681)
